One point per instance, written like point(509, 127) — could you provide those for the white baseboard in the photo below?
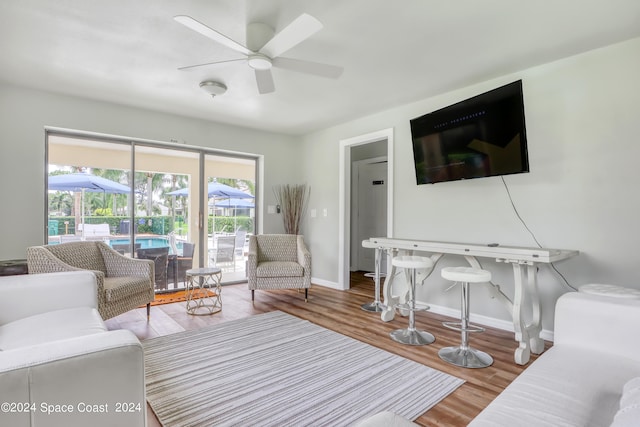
point(491, 322)
point(326, 283)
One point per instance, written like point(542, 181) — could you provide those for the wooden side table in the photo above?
point(203, 291)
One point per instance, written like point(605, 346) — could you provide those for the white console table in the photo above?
point(523, 261)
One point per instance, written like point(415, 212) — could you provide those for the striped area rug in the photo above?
point(275, 369)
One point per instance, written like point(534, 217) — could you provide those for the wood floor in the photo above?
point(340, 311)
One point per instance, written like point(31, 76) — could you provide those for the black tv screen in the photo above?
point(478, 137)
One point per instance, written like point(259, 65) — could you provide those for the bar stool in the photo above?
point(376, 306)
point(463, 355)
point(410, 335)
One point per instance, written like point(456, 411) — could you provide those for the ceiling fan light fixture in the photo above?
point(259, 61)
point(213, 88)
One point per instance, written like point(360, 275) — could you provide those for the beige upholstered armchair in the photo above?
point(278, 261)
point(123, 283)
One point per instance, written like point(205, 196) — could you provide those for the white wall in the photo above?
point(24, 113)
point(583, 128)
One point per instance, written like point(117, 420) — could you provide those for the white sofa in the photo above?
point(59, 365)
point(580, 380)
point(590, 377)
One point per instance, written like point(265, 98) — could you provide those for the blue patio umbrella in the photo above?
point(81, 181)
point(216, 189)
point(234, 203)
point(87, 182)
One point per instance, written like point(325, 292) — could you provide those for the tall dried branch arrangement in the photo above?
point(293, 203)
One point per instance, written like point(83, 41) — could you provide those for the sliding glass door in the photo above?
point(167, 203)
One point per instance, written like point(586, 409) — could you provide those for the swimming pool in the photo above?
point(146, 242)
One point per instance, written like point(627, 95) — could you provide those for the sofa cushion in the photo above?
point(629, 412)
point(279, 269)
point(51, 326)
point(119, 288)
point(564, 387)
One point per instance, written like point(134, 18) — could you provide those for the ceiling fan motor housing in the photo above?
point(259, 61)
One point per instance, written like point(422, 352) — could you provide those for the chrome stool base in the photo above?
point(406, 336)
point(374, 307)
point(465, 358)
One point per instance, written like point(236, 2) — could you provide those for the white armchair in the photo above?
point(59, 365)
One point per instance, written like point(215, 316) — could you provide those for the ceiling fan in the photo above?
point(263, 48)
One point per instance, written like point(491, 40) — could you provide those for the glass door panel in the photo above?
point(181, 207)
point(89, 190)
point(230, 183)
point(166, 231)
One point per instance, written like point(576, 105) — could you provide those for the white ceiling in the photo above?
point(393, 52)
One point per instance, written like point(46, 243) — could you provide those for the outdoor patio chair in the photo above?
point(241, 237)
point(224, 251)
point(160, 257)
point(123, 248)
point(178, 265)
point(123, 283)
point(278, 261)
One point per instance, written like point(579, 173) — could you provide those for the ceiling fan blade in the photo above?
point(308, 67)
point(264, 78)
point(297, 31)
point(199, 27)
point(188, 67)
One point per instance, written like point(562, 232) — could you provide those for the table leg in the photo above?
point(523, 352)
point(528, 337)
point(389, 300)
point(537, 343)
point(376, 306)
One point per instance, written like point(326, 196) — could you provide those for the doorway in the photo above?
point(377, 146)
point(369, 208)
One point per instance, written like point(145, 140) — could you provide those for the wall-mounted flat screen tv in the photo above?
point(478, 137)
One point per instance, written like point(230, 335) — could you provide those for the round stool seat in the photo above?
point(610, 291)
point(412, 261)
point(466, 274)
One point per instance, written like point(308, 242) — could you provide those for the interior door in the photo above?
point(372, 209)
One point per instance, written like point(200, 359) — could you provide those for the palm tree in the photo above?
point(117, 175)
point(61, 201)
point(146, 185)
